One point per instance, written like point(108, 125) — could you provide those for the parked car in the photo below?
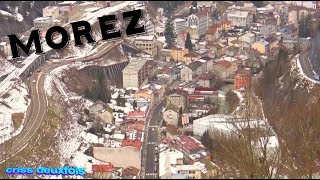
point(316, 77)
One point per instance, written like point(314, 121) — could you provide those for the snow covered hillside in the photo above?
point(15, 101)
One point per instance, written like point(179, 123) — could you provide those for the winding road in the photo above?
point(38, 107)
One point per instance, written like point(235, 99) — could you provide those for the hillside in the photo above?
point(290, 103)
point(19, 15)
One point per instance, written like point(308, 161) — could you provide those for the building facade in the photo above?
point(148, 44)
point(135, 73)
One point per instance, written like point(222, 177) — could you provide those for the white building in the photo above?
point(239, 18)
point(135, 73)
point(42, 22)
point(179, 25)
point(147, 43)
point(224, 124)
point(201, 20)
point(249, 38)
point(167, 158)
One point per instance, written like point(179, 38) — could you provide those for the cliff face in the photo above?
point(17, 17)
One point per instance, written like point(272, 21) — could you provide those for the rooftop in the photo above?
point(224, 63)
point(195, 65)
point(145, 38)
point(189, 142)
point(135, 65)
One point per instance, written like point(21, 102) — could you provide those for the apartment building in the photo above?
point(148, 44)
point(179, 25)
point(240, 18)
point(135, 73)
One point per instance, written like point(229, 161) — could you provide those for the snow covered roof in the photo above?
point(144, 38)
point(67, 2)
point(179, 20)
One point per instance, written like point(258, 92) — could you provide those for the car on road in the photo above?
point(156, 148)
point(316, 77)
point(155, 159)
point(152, 129)
point(34, 81)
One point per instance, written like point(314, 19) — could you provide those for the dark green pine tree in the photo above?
point(302, 32)
point(308, 25)
point(168, 34)
point(206, 139)
point(191, 10)
point(188, 44)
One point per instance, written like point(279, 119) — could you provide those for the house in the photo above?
point(213, 32)
point(218, 49)
point(249, 38)
point(144, 94)
point(101, 111)
point(267, 29)
point(190, 57)
point(266, 44)
point(192, 70)
point(192, 148)
point(177, 98)
point(224, 69)
point(242, 79)
point(293, 16)
point(210, 94)
point(130, 173)
point(287, 33)
point(226, 24)
point(171, 115)
point(148, 44)
point(168, 157)
point(240, 18)
point(51, 11)
point(206, 80)
point(177, 54)
point(192, 171)
point(137, 115)
point(134, 125)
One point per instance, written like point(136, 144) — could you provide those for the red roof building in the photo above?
point(137, 114)
point(134, 143)
point(224, 63)
point(188, 144)
point(102, 167)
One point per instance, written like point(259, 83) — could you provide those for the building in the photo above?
point(200, 20)
point(148, 44)
point(291, 43)
point(266, 44)
point(171, 115)
point(240, 18)
point(42, 22)
point(179, 25)
point(224, 69)
point(51, 11)
point(267, 29)
point(206, 80)
point(213, 32)
point(192, 171)
point(249, 38)
point(224, 124)
point(177, 99)
point(145, 93)
point(135, 73)
point(192, 149)
point(191, 57)
point(137, 115)
point(242, 79)
point(177, 54)
point(167, 158)
point(101, 111)
point(192, 70)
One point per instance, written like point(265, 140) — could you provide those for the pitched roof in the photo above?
point(195, 65)
point(130, 171)
point(224, 63)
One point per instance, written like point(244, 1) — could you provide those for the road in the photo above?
point(38, 106)
point(310, 66)
point(152, 142)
